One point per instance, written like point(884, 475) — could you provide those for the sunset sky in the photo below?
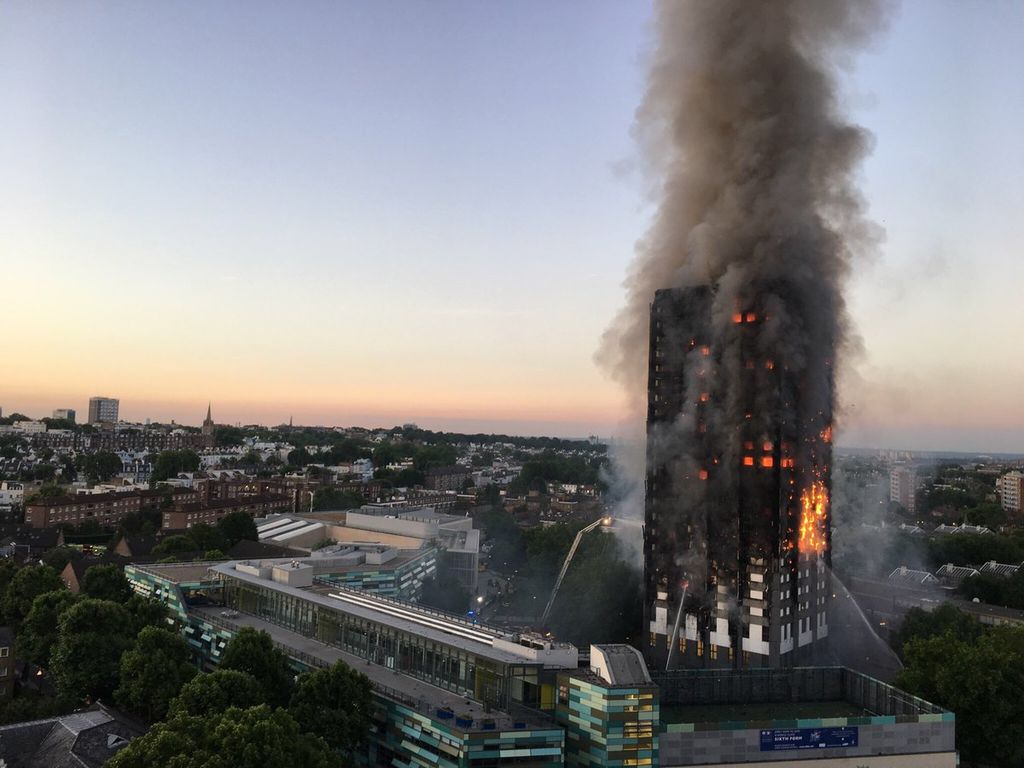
point(379, 212)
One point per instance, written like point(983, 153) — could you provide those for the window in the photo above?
point(4, 652)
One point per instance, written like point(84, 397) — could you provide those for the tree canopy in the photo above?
point(106, 582)
point(152, 673)
point(253, 652)
point(38, 633)
point(236, 526)
point(257, 737)
point(214, 692)
point(981, 679)
point(25, 586)
point(334, 704)
point(91, 636)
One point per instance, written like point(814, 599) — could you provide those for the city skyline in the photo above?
point(446, 246)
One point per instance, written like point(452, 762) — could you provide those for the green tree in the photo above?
point(98, 467)
point(146, 612)
point(333, 498)
point(982, 682)
point(174, 545)
point(438, 455)
point(236, 526)
point(334, 704)
point(253, 652)
point(227, 436)
point(91, 636)
point(207, 537)
point(300, 457)
point(169, 463)
point(153, 672)
point(58, 557)
point(106, 582)
point(38, 633)
point(947, 619)
point(24, 587)
point(258, 737)
point(213, 693)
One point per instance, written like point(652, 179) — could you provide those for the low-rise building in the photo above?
point(107, 509)
point(451, 478)
point(6, 662)
point(210, 512)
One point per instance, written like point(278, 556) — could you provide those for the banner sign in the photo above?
point(808, 738)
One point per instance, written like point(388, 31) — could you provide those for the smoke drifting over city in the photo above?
point(753, 168)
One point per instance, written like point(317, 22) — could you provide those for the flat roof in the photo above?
point(376, 609)
point(410, 691)
point(178, 572)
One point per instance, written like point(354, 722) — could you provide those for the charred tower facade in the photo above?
point(736, 535)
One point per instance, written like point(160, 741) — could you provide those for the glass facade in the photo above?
point(412, 739)
point(607, 725)
point(441, 664)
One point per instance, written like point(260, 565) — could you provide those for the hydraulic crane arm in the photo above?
point(565, 565)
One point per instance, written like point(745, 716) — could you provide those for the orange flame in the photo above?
point(813, 514)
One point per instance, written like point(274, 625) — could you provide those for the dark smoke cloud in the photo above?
point(752, 165)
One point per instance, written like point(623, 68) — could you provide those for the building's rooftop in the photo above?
point(1000, 569)
point(411, 692)
point(88, 738)
point(797, 697)
point(911, 577)
point(619, 665)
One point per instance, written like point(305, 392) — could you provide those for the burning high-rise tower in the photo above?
point(736, 535)
point(734, 319)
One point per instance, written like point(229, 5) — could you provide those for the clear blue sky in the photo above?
point(370, 212)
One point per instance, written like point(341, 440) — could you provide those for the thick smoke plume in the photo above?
point(752, 165)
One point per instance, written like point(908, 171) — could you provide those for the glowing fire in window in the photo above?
point(813, 515)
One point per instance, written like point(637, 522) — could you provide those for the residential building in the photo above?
point(210, 512)
point(903, 487)
point(25, 542)
point(447, 478)
point(737, 533)
point(30, 427)
point(83, 739)
point(67, 414)
point(6, 663)
point(1011, 492)
point(107, 509)
point(103, 410)
point(12, 494)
